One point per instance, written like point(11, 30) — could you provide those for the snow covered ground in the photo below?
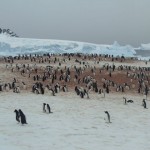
point(76, 124)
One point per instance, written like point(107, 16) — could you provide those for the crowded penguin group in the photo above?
point(80, 73)
point(51, 73)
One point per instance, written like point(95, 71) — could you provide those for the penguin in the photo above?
point(44, 110)
point(130, 101)
point(42, 90)
point(53, 92)
point(23, 117)
point(144, 103)
point(125, 100)
point(17, 115)
point(108, 116)
point(86, 92)
point(49, 109)
point(81, 94)
point(64, 88)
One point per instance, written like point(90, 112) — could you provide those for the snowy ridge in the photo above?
point(14, 46)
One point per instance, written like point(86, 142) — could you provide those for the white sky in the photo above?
point(97, 21)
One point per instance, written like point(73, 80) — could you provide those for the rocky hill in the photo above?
point(8, 32)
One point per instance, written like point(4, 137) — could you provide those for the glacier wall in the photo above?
point(11, 46)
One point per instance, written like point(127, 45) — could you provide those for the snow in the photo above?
point(75, 124)
point(145, 46)
point(14, 46)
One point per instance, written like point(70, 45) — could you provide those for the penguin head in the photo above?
point(20, 111)
point(15, 110)
point(106, 112)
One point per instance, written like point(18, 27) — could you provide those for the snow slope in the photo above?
point(13, 46)
point(76, 124)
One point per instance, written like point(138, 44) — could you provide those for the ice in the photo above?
point(14, 46)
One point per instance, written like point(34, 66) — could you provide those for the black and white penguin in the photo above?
point(130, 101)
point(44, 110)
point(23, 117)
point(108, 116)
point(17, 115)
point(64, 88)
point(49, 109)
point(125, 100)
point(144, 104)
point(53, 92)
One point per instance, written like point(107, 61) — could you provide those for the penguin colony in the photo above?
point(78, 73)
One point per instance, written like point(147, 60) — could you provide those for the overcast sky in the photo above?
point(95, 21)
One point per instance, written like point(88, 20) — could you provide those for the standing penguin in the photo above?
point(23, 117)
point(144, 103)
point(108, 116)
point(125, 100)
point(49, 109)
point(44, 110)
point(17, 115)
